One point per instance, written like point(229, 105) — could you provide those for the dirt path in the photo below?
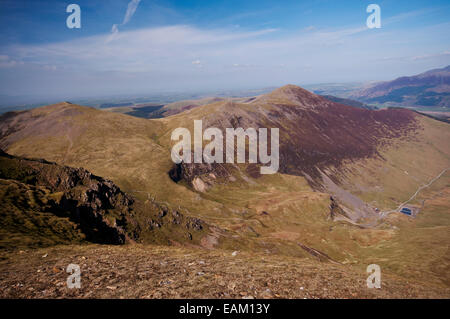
point(386, 213)
point(69, 147)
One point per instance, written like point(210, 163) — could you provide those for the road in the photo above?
point(386, 213)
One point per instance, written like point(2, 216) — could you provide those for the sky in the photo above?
point(150, 46)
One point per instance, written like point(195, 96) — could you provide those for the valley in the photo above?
point(341, 167)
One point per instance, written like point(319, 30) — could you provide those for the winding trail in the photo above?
point(384, 214)
point(373, 224)
point(69, 148)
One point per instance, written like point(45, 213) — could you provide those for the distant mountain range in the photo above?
point(428, 89)
point(349, 102)
point(159, 111)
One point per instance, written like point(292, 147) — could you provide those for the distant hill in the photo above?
point(160, 111)
point(180, 106)
point(349, 102)
point(428, 89)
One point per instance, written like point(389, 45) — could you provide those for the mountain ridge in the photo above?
point(427, 89)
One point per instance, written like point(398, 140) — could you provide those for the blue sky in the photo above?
point(159, 45)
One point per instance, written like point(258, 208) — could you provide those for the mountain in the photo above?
point(184, 105)
point(315, 133)
point(341, 90)
point(180, 106)
point(428, 89)
point(147, 110)
point(172, 108)
point(349, 102)
point(344, 171)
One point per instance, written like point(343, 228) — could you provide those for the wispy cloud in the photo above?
point(131, 9)
point(431, 56)
point(310, 28)
point(197, 63)
point(132, 6)
point(408, 15)
point(185, 57)
point(7, 62)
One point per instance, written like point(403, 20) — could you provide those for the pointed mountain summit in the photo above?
point(293, 95)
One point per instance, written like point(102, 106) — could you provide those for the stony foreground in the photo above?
point(136, 271)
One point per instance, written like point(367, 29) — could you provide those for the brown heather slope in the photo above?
point(365, 159)
point(315, 134)
point(318, 133)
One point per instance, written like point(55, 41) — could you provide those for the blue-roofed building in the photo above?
point(406, 211)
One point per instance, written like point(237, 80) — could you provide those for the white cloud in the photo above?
point(430, 56)
point(141, 50)
point(50, 67)
point(185, 57)
point(131, 9)
point(132, 6)
point(242, 66)
point(114, 29)
point(197, 63)
point(7, 62)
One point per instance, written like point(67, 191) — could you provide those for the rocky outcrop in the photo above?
point(335, 210)
point(199, 176)
point(99, 208)
point(102, 211)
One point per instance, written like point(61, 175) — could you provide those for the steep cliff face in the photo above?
point(85, 206)
point(200, 176)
